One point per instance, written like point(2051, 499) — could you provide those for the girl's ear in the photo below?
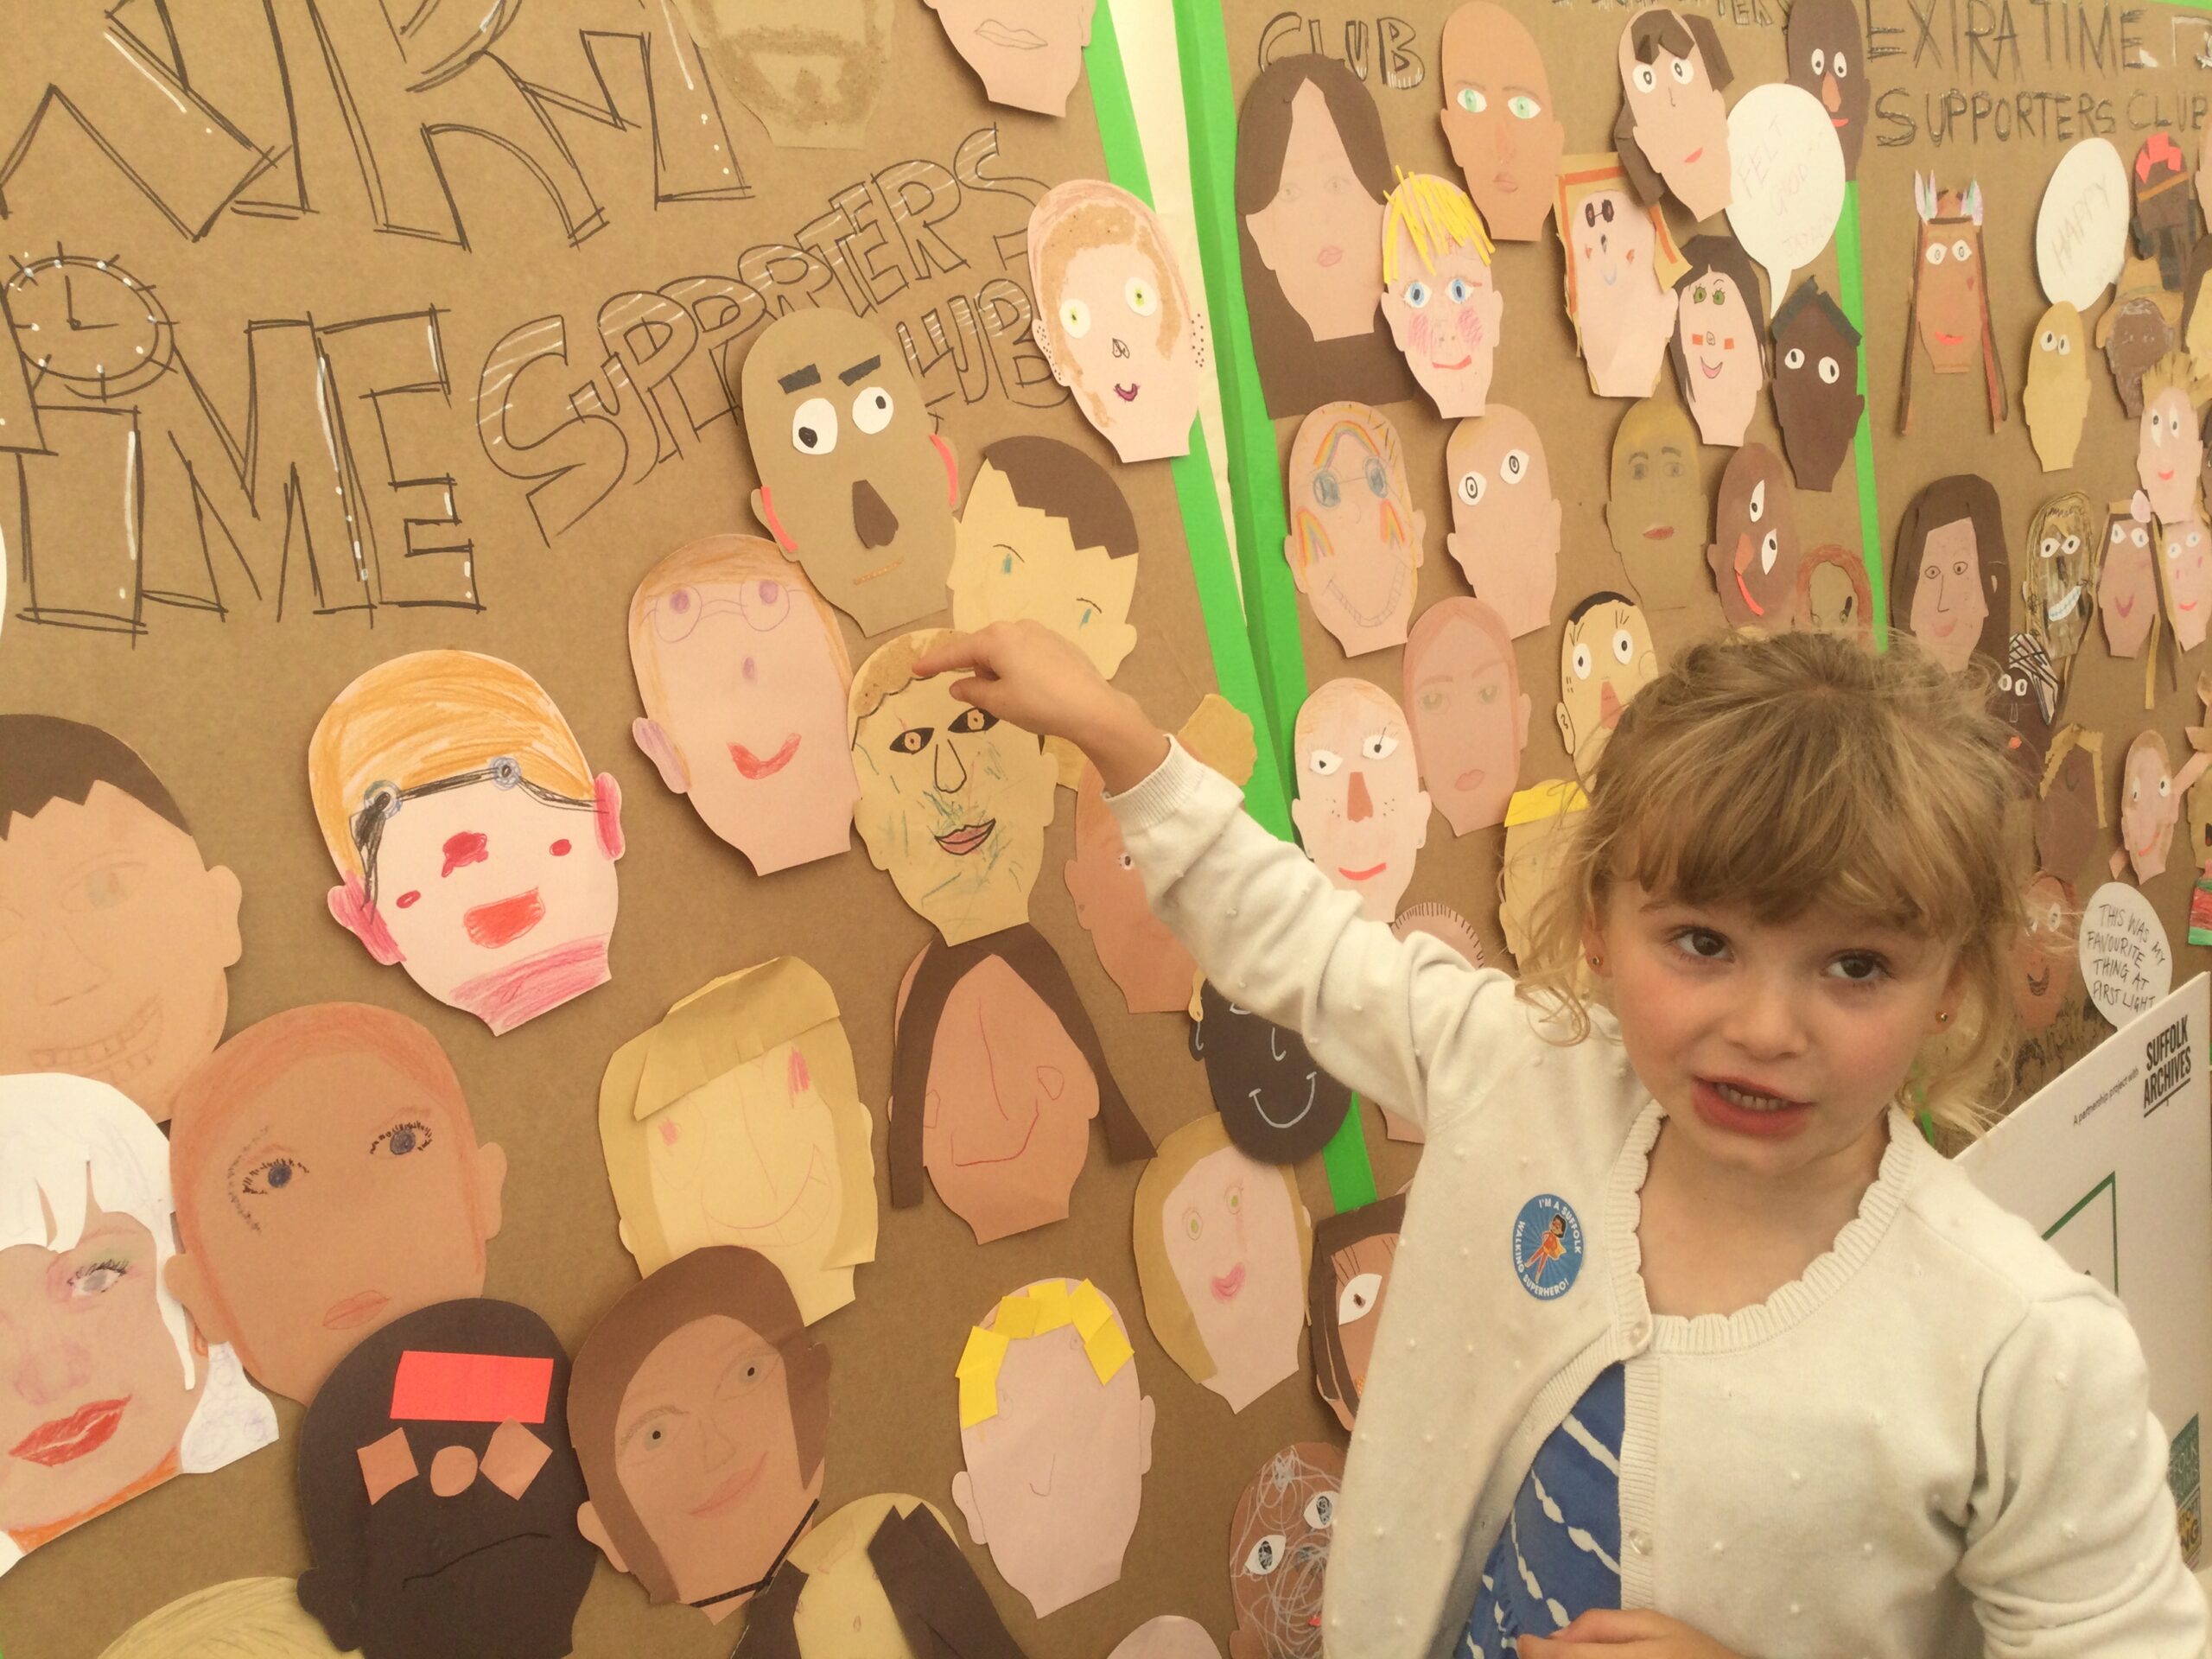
point(1593, 941)
point(607, 813)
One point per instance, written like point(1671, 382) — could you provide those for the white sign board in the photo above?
point(2112, 1162)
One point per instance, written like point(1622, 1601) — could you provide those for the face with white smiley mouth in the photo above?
point(1276, 1102)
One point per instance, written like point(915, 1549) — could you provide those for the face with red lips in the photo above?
point(1232, 1242)
point(1949, 300)
point(1360, 808)
point(1754, 553)
point(2128, 586)
point(2044, 958)
point(1826, 49)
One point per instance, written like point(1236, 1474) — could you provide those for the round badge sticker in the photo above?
point(1547, 1246)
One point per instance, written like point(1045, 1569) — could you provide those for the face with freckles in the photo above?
point(2150, 805)
point(1443, 311)
point(1500, 119)
point(1674, 111)
point(2169, 453)
point(1356, 538)
point(1360, 810)
point(2187, 549)
point(2044, 958)
point(1827, 48)
point(2127, 585)
point(1753, 555)
point(1656, 510)
point(1505, 519)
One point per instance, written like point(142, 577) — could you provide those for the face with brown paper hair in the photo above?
point(1321, 235)
point(1672, 73)
point(1356, 539)
point(1028, 55)
point(1499, 119)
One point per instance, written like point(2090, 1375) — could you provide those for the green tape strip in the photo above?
point(1851, 279)
point(1254, 477)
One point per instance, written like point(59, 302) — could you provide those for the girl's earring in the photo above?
point(1942, 1016)
point(1597, 963)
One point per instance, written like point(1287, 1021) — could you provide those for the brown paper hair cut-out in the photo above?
point(1718, 345)
point(1340, 1368)
point(1954, 613)
point(1948, 318)
point(1680, 53)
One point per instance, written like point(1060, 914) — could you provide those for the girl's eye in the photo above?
point(1417, 294)
point(1702, 943)
point(1858, 967)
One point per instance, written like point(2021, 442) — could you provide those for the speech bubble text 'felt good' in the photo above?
point(2082, 228)
point(1789, 180)
point(2126, 963)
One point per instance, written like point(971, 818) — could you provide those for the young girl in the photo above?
point(1687, 1316)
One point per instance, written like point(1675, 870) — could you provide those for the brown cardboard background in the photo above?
point(222, 708)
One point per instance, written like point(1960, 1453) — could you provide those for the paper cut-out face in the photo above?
point(738, 1120)
point(2057, 398)
point(1952, 574)
point(1674, 121)
point(1505, 520)
point(2071, 810)
point(1753, 555)
point(328, 1181)
point(1828, 58)
point(1223, 1245)
point(1950, 295)
point(1605, 659)
point(2187, 546)
point(1278, 1544)
point(2137, 330)
point(811, 73)
point(1620, 272)
point(1469, 715)
point(2127, 582)
point(2063, 544)
point(476, 846)
point(1498, 118)
point(877, 1572)
point(1146, 961)
point(1718, 347)
point(1833, 595)
point(1114, 317)
point(2169, 451)
point(1168, 1637)
point(1657, 513)
point(2166, 211)
point(1439, 295)
point(114, 930)
point(1360, 808)
point(1276, 1102)
point(1356, 538)
point(2150, 805)
point(1054, 1473)
point(855, 483)
point(1322, 233)
point(699, 1409)
point(2026, 700)
point(1046, 534)
point(1028, 57)
point(953, 803)
point(1816, 396)
point(443, 1439)
point(743, 672)
point(2045, 959)
point(1352, 1257)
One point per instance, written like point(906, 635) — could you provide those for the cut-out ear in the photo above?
point(951, 468)
point(228, 896)
point(655, 744)
point(1148, 1413)
point(351, 909)
point(325, 1599)
point(764, 510)
point(1565, 727)
point(594, 1530)
point(491, 1187)
point(1708, 48)
point(188, 1285)
point(1420, 537)
point(606, 814)
point(963, 1497)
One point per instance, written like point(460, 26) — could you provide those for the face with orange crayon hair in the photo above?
point(1356, 538)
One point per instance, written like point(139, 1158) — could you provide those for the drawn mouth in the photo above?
point(1508, 183)
point(1839, 120)
point(1660, 533)
point(1469, 781)
point(965, 839)
point(1950, 339)
point(1362, 876)
point(1710, 371)
point(1943, 630)
point(504, 921)
point(1691, 159)
point(795, 1222)
point(753, 768)
point(1330, 257)
point(1295, 1118)
point(2124, 606)
point(1435, 363)
point(2064, 608)
point(730, 1490)
point(1127, 394)
point(959, 1162)
point(1226, 1286)
point(1757, 609)
point(1609, 276)
point(114, 1057)
point(470, 1554)
point(1011, 35)
point(355, 1310)
point(2167, 476)
point(66, 1439)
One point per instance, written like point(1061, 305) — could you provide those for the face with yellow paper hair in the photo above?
point(1057, 1437)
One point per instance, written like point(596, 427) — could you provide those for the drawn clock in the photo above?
point(90, 325)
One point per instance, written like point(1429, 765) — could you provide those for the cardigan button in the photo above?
point(1640, 1542)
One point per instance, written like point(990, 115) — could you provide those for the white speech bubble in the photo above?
point(2082, 228)
point(2126, 961)
point(1787, 166)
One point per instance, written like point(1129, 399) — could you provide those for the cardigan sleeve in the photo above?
point(1382, 1016)
point(2072, 1547)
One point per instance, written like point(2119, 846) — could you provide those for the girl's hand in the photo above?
point(1630, 1634)
point(1024, 672)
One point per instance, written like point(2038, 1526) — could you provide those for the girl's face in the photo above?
point(1720, 350)
point(1948, 603)
point(1775, 1048)
point(93, 1394)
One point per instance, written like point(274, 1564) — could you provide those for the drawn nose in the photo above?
point(64, 970)
point(1358, 804)
point(1609, 706)
point(952, 776)
point(873, 520)
point(465, 848)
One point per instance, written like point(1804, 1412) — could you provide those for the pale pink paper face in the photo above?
point(2188, 549)
point(1361, 811)
point(1469, 715)
point(1444, 313)
point(749, 721)
point(1505, 520)
point(1721, 342)
point(1232, 1243)
point(1028, 55)
point(2169, 454)
point(2149, 806)
point(1322, 235)
point(1623, 313)
point(1950, 603)
point(1356, 538)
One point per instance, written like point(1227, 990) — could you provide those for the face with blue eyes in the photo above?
point(294, 1204)
point(1444, 313)
point(1356, 538)
point(1498, 118)
point(1776, 1047)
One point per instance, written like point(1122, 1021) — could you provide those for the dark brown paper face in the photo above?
point(2066, 818)
point(1754, 551)
point(1658, 513)
point(2026, 700)
point(1828, 58)
point(2128, 590)
point(466, 1549)
point(1279, 1552)
point(1815, 391)
point(1274, 1099)
point(853, 483)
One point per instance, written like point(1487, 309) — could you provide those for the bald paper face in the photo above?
point(1621, 308)
point(2057, 398)
point(1500, 120)
point(1754, 551)
point(1505, 520)
point(1828, 58)
point(2128, 589)
point(2186, 546)
point(1356, 538)
point(1469, 715)
point(1605, 659)
point(2062, 545)
point(1360, 810)
point(1658, 512)
point(1681, 123)
point(2169, 454)
point(2149, 806)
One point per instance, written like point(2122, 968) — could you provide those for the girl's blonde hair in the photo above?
point(1799, 771)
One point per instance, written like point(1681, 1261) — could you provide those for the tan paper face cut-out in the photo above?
point(2127, 581)
point(1027, 57)
point(744, 674)
point(738, 1120)
point(1604, 658)
point(1505, 519)
point(1656, 511)
point(813, 73)
point(1950, 297)
point(1439, 295)
point(1322, 234)
point(1356, 540)
point(954, 803)
point(1674, 119)
point(1360, 810)
point(1753, 556)
point(2057, 398)
point(1498, 118)
point(112, 965)
point(2187, 547)
point(2150, 807)
point(1621, 267)
point(328, 1181)
point(2046, 956)
point(1047, 535)
point(1719, 340)
point(1114, 316)
point(856, 484)
point(2168, 449)
point(1469, 715)
point(1279, 1542)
